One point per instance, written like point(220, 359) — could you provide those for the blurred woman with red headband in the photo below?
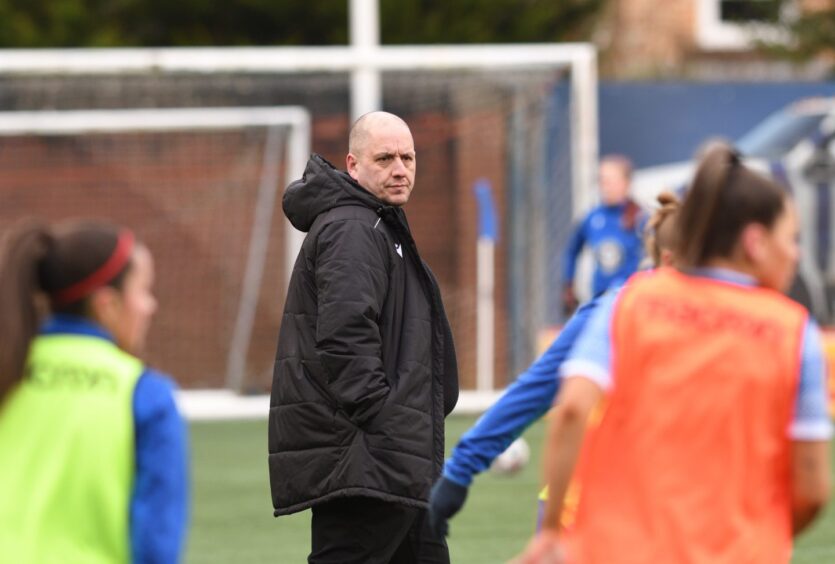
point(93, 449)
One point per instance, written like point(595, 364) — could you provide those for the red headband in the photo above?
point(101, 276)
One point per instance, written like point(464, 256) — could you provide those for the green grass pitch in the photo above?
point(231, 517)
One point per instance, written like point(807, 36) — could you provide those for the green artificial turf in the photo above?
point(232, 522)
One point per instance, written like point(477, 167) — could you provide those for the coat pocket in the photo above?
point(315, 375)
point(342, 427)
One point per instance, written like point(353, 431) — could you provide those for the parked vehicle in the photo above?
point(795, 146)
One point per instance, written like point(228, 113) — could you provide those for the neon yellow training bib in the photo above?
point(67, 454)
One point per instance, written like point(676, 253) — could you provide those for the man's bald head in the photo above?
point(381, 156)
point(368, 124)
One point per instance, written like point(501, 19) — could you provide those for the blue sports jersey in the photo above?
point(159, 503)
point(526, 400)
point(617, 251)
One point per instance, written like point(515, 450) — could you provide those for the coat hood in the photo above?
point(321, 188)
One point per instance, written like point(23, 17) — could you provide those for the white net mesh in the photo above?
point(191, 197)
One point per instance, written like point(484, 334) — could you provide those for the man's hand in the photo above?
point(447, 499)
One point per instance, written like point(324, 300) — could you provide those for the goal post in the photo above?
point(581, 58)
point(522, 116)
point(292, 148)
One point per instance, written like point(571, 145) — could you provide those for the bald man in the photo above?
point(365, 371)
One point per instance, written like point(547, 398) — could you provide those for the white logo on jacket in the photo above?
point(399, 249)
point(610, 255)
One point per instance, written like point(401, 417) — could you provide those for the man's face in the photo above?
point(385, 163)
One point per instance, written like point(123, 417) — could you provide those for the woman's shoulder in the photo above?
point(154, 378)
point(155, 391)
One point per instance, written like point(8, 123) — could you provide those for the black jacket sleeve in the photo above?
point(450, 360)
point(351, 273)
point(450, 370)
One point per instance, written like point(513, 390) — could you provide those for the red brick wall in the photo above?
point(645, 37)
point(194, 214)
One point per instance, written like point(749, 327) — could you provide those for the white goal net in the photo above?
point(521, 118)
point(199, 186)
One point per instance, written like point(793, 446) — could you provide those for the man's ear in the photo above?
point(105, 305)
point(351, 165)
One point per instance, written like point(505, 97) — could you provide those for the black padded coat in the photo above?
point(365, 370)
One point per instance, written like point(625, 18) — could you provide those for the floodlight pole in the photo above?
point(366, 89)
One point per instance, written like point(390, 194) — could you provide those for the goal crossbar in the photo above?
point(76, 122)
point(291, 59)
point(364, 61)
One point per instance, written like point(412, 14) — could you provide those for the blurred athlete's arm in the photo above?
point(566, 430)
point(810, 432)
point(529, 397)
point(810, 482)
point(586, 378)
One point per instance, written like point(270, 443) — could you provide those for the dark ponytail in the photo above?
point(53, 270)
point(21, 299)
point(724, 197)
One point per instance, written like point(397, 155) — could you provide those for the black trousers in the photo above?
point(361, 530)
